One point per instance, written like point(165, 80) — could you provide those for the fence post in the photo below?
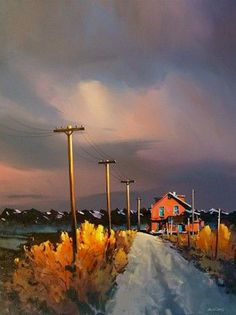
point(235, 257)
point(188, 233)
point(171, 226)
point(177, 235)
point(217, 235)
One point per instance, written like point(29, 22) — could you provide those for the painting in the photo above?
point(117, 157)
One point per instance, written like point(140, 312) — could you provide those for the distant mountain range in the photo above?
point(33, 216)
point(211, 216)
point(36, 217)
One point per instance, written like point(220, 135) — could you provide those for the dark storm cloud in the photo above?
point(132, 42)
point(213, 181)
point(136, 43)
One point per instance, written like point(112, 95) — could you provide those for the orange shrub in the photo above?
point(43, 279)
point(205, 240)
point(226, 248)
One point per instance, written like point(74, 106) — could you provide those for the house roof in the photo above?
point(187, 206)
point(183, 203)
point(177, 198)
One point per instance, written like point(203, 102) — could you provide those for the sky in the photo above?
point(153, 82)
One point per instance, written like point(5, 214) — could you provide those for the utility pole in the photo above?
point(107, 172)
point(69, 131)
point(193, 206)
point(128, 182)
point(217, 234)
point(138, 211)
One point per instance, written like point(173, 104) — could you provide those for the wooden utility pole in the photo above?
point(138, 212)
point(128, 182)
point(107, 172)
point(217, 234)
point(193, 206)
point(69, 131)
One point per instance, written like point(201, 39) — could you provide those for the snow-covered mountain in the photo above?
point(33, 216)
point(211, 216)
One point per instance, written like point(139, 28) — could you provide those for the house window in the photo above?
point(161, 211)
point(176, 210)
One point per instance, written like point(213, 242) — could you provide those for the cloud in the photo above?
point(26, 196)
point(115, 40)
point(153, 82)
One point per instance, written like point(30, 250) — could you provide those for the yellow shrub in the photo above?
point(226, 245)
point(204, 241)
point(42, 277)
point(120, 260)
point(224, 237)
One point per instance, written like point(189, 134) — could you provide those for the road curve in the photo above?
point(158, 280)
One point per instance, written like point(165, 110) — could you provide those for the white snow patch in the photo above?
point(17, 211)
point(3, 219)
point(48, 212)
point(121, 212)
point(46, 217)
point(7, 213)
point(59, 216)
point(212, 210)
point(81, 212)
point(226, 213)
point(96, 214)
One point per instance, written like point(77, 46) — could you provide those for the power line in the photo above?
point(29, 126)
point(119, 172)
point(115, 176)
point(91, 155)
point(87, 158)
point(96, 147)
point(26, 136)
point(24, 132)
point(102, 154)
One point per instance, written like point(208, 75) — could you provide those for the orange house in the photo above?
point(168, 209)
